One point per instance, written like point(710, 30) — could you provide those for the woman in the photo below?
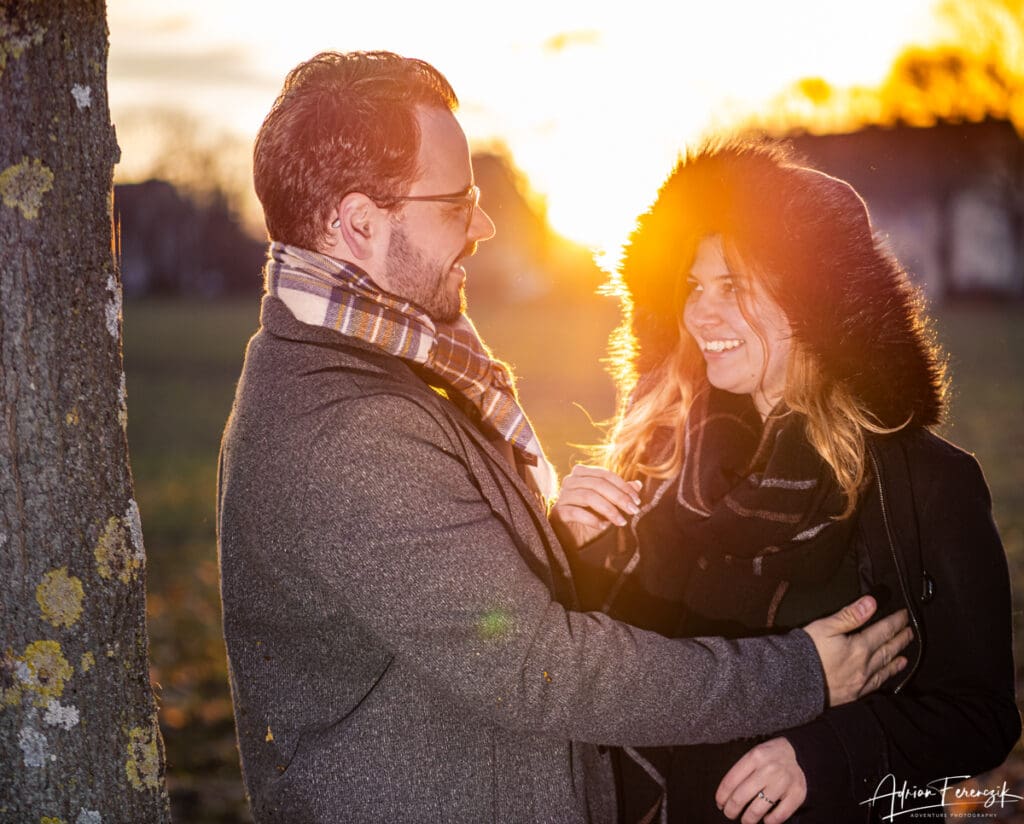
point(774, 460)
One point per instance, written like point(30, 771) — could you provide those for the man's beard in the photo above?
point(413, 276)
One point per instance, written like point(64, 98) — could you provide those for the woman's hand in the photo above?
point(767, 783)
point(591, 500)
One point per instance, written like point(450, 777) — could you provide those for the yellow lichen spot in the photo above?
point(44, 671)
point(23, 185)
point(270, 735)
point(114, 555)
point(88, 662)
point(15, 39)
point(47, 820)
point(11, 697)
point(72, 419)
point(122, 392)
point(143, 764)
point(547, 677)
point(60, 597)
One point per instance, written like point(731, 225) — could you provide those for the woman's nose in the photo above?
point(701, 310)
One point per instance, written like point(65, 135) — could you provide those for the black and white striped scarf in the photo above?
point(757, 502)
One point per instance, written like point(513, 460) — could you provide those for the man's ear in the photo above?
point(361, 225)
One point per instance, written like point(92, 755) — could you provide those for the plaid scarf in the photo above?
point(322, 291)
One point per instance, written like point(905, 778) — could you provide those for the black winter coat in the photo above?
point(926, 541)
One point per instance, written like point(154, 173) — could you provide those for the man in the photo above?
point(398, 613)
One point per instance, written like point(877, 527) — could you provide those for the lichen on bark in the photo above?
point(143, 763)
point(23, 185)
point(40, 674)
point(60, 596)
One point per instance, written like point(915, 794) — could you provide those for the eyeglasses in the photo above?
point(468, 197)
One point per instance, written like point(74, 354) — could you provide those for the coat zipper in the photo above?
point(899, 574)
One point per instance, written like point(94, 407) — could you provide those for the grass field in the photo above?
point(182, 359)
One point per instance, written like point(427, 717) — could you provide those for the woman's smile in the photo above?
point(720, 346)
point(743, 334)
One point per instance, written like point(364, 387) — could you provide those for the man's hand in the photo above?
point(858, 664)
point(590, 501)
point(767, 783)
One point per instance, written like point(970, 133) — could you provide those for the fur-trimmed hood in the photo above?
point(847, 298)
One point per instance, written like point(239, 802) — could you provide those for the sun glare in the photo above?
point(593, 103)
point(597, 116)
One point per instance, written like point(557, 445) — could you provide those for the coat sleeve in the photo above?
point(957, 717)
point(399, 534)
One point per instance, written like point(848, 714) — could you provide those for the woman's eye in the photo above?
point(693, 286)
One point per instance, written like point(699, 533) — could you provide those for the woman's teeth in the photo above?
point(721, 345)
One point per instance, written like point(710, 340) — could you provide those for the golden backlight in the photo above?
point(594, 103)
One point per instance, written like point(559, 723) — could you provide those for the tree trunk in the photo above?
point(79, 741)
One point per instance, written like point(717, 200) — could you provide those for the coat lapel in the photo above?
point(545, 546)
point(523, 514)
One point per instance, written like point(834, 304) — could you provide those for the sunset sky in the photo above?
point(594, 101)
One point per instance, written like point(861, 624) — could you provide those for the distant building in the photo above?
point(173, 244)
point(949, 198)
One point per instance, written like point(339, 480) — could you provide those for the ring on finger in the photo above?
point(766, 799)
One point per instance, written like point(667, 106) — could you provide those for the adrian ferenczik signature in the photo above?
point(903, 799)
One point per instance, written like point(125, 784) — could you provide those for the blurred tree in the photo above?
point(970, 70)
point(991, 27)
point(989, 37)
point(952, 84)
point(79, 740)
point(526, 259)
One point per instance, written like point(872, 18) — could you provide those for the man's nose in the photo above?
point(481, 227)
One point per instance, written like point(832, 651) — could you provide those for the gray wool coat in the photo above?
point(399, 616)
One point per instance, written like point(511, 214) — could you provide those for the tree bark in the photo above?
point(79, 741)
